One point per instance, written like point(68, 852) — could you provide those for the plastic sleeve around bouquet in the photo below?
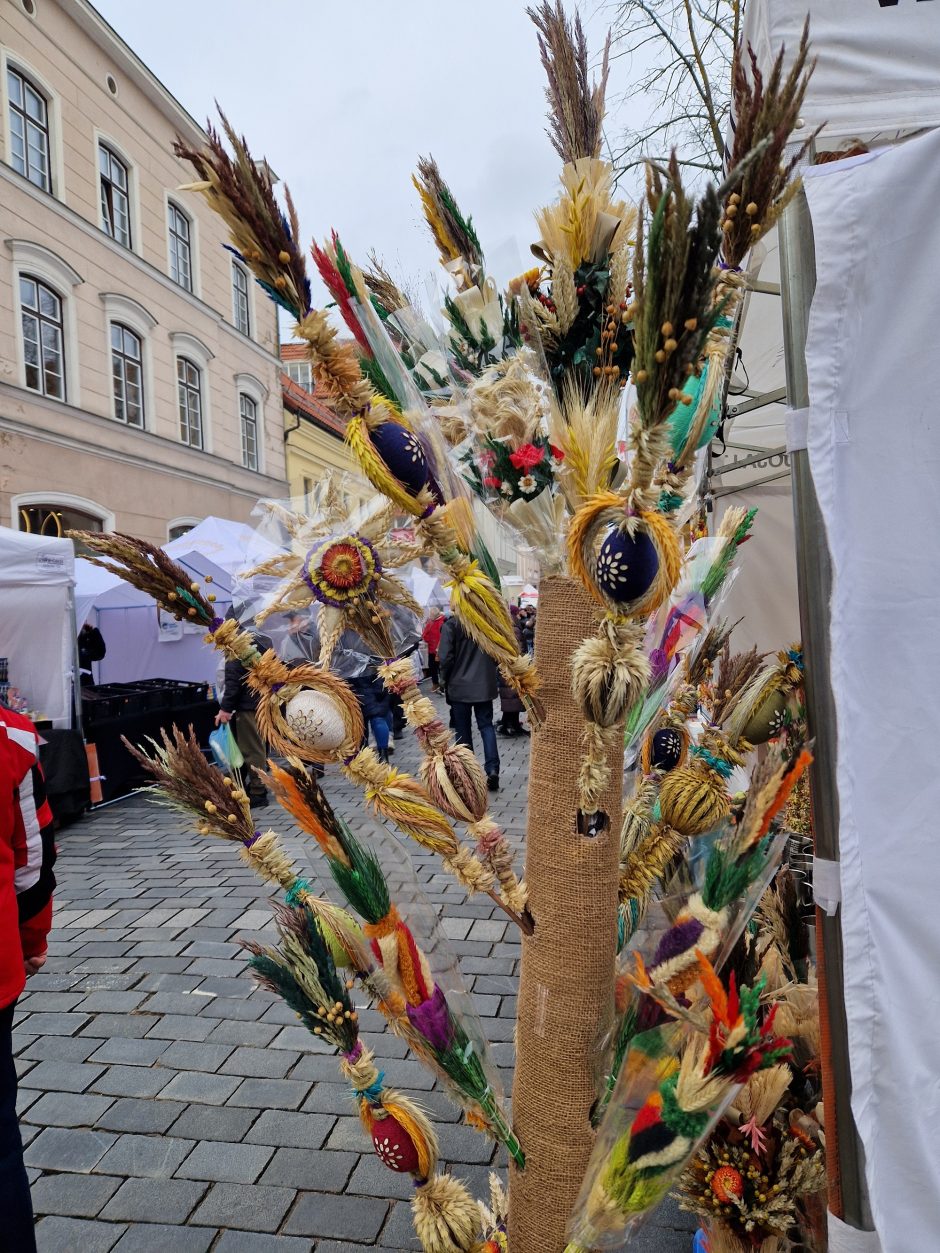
point(679, 924)
point(406, 940)
point(645, 1141)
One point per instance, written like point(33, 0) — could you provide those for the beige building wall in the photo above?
point(141, 481)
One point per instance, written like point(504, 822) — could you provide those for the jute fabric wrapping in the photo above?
point(566, 986)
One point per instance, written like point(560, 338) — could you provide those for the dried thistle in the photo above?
point(150, 570)
point(575, 105)
point(766, 113)
point(453, 233)
point(189, 784)
point(241, 192)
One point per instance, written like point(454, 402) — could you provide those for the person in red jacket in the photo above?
point(27, 855)
point(432, 637)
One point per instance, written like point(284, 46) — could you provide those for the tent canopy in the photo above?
point(37, 627)
point(231, 546)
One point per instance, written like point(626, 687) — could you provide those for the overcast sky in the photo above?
point(342, 96)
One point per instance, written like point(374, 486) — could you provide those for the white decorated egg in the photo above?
point(316, 720)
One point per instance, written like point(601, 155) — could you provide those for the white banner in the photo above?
point(877, 61)
point(874, 448)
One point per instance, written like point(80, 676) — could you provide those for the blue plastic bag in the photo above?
point(225, 750)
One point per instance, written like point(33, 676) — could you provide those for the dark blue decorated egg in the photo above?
point(401, 451)
point(666, 749)
point(626, 565)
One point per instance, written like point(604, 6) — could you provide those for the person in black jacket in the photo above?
point(470, 681)
point(91, 648)
point(239, 702)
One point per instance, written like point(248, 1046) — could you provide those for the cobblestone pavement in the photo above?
point(169, 1105)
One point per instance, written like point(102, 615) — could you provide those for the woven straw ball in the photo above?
point(316, 720)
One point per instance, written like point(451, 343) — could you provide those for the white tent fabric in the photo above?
point(142, 644)
point(874, 447)
point(37, 624)
point(877, 61)
point(232, 546)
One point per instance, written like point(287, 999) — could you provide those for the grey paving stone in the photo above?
point(214, 1122)
point(159, 1238)
point(74, 1196)
point(68, 1148)
point(68, 1109)
point(197, 1086)
point(226, 1163)
point(189, 1055)
point(245, 1011)
point(74, 1235)
point(252, 1242)
point(348, 1135)
point(168, 981)
point(259, 1063)
point(154, 1200)
point(352, 1218)
point(311, 1169)
point(290, 1130)
point(128, 1051)
point(55, 1024)
point(259, 1208)
point(181, 1027)
point(59, 1076)
point(145, 1157)
point(49, 1002)
point(330, 1098)
point(124, 1026)
point(132, 1081)
point(257, 1034)
point(174, 1003)
point(141, 1115)
point(271, 1093)
point(237, 989)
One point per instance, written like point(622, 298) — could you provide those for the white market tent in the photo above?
point(37, 622)
point(872, 445)
point(143, 643)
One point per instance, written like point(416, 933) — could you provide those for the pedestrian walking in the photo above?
point(471, 681)
point(432, 637)
point(27, 855)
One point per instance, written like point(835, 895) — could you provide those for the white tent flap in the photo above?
point(877, 61)
point(874, 448)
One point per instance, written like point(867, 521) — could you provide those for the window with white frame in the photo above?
point(127, 357)
point(181, 253)
point(29, 129)
point(240, 299)
point(300, 372)
point(189, 386)
point(115, 196)
point(43, 346)
point(249, 416)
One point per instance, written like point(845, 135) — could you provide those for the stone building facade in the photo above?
point(140, 385)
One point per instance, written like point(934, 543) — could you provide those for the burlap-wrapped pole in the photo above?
point(566, 986)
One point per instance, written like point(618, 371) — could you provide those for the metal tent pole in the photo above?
point(848, 1199)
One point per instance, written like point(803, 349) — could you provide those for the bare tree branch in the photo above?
point(682, 52)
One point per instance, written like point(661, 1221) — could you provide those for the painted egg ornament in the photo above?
point(315, 720)
point(768, 719)
point(727, 1183)
point(627, 565)
point(401, 451)
point(394, 1146)
point(666, 749)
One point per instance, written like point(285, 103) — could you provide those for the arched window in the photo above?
point(56, 513)
point(248, 410)
point(189, 386)
point(29, 129)
point(43, 339)
point(127, 375)
point(180, 527)
point(181, 249)
point(115, 195)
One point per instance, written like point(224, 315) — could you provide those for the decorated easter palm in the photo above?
point(640, 1026)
